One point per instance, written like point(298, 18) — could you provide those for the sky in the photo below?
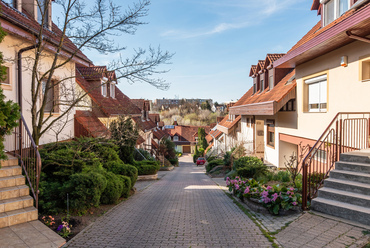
point(215, 42)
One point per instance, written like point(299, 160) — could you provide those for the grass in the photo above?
point(253, 218)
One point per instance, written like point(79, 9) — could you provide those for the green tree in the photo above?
point(125, 134)
point(205, 105)
point(202, 142)
point(9, 111)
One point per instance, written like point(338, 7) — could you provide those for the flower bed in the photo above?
point(274, 198)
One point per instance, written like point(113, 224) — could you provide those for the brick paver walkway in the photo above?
point(183, 209)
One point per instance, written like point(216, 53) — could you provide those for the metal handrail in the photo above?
point(348, 131)
point(24, 148)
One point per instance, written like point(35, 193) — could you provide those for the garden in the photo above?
point(260, 187)
point(84, 178)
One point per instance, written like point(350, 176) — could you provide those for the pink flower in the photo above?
point(269, 187)
point(265, 194)
point(288, 192)
point(227, 178)
point(266, 200)
point(292, 189)
point(294, 203)
point(227, 183)
point(246, 191)
point(274, 197)
point(237, 186)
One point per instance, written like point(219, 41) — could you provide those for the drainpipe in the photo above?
point(20, 90)
point(20, 73)
point(356, 37)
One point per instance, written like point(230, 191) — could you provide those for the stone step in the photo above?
point(13, 192)
point(18, 216)
point(350, 175)
point(16, 203)
point(343, 210)
point(10, 171)
point(352, 166)
point(356, 156)
point(11, 161)
point(350, 186)
point(12, 181)
point(344, 196)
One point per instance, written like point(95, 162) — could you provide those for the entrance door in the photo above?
point(260, 138)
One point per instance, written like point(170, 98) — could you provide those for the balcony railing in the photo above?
point(347, 132)
point(21, 145)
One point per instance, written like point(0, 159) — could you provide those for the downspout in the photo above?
point(19, 57)
point(20, 73)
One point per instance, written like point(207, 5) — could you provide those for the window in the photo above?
point(320, 155)
point(365, 70)
point(51, 98)
point(112, 88)
point(262, 85)
point(317, 94)
point(175, 138)
point(10, 2)
point(41, 14)
point(254, 85)
point(271, 82)
point(104, 89)
point(270, 133)
point(333, 9)
point(6, 80)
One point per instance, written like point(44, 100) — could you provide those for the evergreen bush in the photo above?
point(113, 190)
point(147, 167)
point(250, 167)
point(126, 182)
point(214, 163)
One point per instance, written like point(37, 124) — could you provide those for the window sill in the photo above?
point(270, 146)
point(51, 114)
point(6, 87)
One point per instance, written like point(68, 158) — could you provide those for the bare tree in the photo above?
point(94, 27)
point(292, 163)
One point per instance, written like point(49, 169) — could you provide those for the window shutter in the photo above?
point(56, 98)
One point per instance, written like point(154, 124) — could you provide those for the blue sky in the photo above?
point(215, 42)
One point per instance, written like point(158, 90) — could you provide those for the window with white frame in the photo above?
point(112, 88)
point(41, 13)
point(254, 85)
point(271, 82)
point(104, 89)
point(333, 9)
point(6, 77)
point(51, 105)
point(317, 93)
point(175, 138)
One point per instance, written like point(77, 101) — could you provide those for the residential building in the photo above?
point(168, 103)
point(185, 137)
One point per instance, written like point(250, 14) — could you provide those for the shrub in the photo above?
point(147, 167)
point(227, 159)
point(139, 153)
point(174, 161)
point(113, 190)
point(250, 167)
point(126, 182)
point(124, 170)
point(210, 158)
point(213, 164)
point(85, 190)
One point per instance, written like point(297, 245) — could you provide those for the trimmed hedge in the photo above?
point(113, 190)
point(250, 167)
point(85, 190)
point(126, 182)
point(146, 167)
point(120, 168)
point(214, 163)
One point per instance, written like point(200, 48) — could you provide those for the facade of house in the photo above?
point(184, 137)
point(22, 24)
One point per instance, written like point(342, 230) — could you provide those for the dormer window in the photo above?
point(104, 86)
point(12, 3)
point(175, 138)
point(333, 9)
point(112, 88)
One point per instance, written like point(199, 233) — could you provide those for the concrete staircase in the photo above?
point(16, 204)
point(346, 193)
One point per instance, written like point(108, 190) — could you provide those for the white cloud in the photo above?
point(243, 15)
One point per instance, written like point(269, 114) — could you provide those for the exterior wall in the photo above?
point(10, 46)
point(346, 93)
point(246, 135)
point(285, 150)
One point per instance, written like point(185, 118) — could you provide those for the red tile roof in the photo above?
point(253, 70)
point(276, 94)
point(120, 105)
point(227, 123)
point(159, 133)
point(154, 117)
point(140, 140)
point(139, 103)
point(186, 133)
point(145, 125)
point(155, 144)
point(26, 22)
point(91, 124)
point(270, 58)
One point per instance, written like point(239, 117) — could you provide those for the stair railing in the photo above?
point(20, 144)
point(346, 132)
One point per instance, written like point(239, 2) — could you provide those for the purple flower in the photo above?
point(274, 197)
point(288, 192)
point(246, 191)
point(265, 194)
point(60, 227)
point(269, 187)
point(294, 203)
point(227, 178)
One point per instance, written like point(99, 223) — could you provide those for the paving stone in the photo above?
point(185, 202)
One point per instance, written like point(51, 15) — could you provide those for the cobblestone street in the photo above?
point(183, 209)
